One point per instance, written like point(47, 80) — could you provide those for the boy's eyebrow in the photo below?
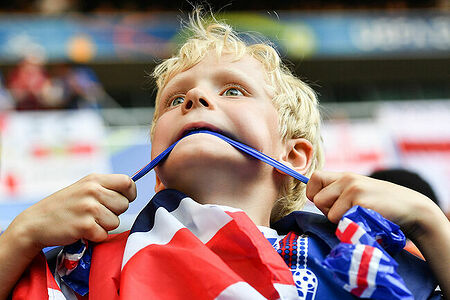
point(242, 77)
point(181, 80)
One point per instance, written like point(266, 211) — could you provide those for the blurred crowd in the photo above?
point(63, 6)
point(33, 85)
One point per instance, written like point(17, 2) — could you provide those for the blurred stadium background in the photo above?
point(75, 97)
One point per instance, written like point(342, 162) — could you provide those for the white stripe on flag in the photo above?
point(286, 291)
point(372, 274)
point(74, 256)
point(202, 221)
point(342, 226)
point(55, 294)
point(357, 235)
point(161, 233)
point(224, 207)
point(354, 265)
point(239, 290)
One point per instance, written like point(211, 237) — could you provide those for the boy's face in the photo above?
point(231, 97)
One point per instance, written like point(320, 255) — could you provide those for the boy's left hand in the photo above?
point(335, 193)
point(419, 217)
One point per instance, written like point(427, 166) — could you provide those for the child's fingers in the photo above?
point(117, 182)
point(96, 213)
point(337, 210)
point(318, 181)
point(114, 201)
point(120, 183)
point(95, 233)
point(334, 193)
point(107, 219)
point(327, 197)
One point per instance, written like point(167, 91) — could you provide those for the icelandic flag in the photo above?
point(360, 262)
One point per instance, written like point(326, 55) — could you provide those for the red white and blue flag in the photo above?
point(180, 249)
point(362, 262)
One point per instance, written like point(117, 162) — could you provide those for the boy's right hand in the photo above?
point(87, 209)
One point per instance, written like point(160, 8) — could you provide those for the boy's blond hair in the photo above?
point(294, 100)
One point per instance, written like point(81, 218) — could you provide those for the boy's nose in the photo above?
point(196, 98)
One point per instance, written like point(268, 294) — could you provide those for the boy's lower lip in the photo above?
point(190, 132)
point(193, 128)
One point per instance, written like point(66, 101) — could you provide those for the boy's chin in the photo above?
point(206, 159)
point(204, 155)
point(204, 147)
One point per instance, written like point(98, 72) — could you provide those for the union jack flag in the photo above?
point(179, 249)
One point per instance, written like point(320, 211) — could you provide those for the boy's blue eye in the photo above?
point(177, 101)
point(232, 92)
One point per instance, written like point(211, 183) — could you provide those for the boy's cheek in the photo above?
point(159, 144)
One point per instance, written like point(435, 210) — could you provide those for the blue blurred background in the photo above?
point(75, 97)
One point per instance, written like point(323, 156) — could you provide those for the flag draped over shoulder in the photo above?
point(38, 282)
point(182, 249)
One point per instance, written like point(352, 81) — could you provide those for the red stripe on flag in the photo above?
point(185, 267)
point(104, 276)
point(348, 233)
point(70, 264)
point(251, 255)
point(35, 281)
point(182, 268)
point(363, 271)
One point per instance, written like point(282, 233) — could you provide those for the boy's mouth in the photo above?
point(197, 127)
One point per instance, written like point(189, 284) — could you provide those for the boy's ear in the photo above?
point(298, 155)
point(159, 186)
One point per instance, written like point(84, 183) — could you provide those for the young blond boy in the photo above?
point(218, 82)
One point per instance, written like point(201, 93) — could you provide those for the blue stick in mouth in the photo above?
point(242, 147)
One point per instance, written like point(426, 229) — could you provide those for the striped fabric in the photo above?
point(177, 249)
point(360, 262)
point(365, 260)
point(38, 283)
point(180, 249)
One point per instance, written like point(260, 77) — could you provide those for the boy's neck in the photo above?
point(254, 201)
point(255, 195)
